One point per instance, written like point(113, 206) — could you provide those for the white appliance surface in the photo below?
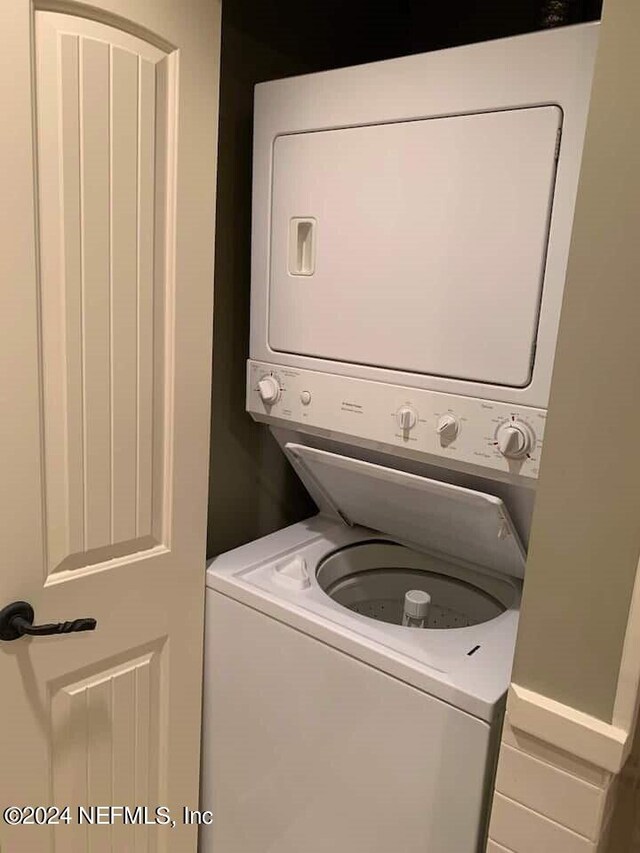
point(429, 246)
point(440, 518)
point(324, 729)
point(412, 218)
point(354, 410)
point(327, 730)
point(411, 225)
point(437, 661)
point(308, 750)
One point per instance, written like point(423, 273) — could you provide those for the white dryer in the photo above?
point(412, 218)
point(411, 229)
point(331, 726)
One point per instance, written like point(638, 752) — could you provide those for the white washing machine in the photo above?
point(411, 230)
point(331, 726)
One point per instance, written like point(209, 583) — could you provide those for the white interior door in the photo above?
point(108, 149)
point(417, 246)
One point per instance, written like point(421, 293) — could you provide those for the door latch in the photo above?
point(16, 620)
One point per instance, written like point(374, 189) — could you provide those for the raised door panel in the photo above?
point(105, 752)
point(105, 119)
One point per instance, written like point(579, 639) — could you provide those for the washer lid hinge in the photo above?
point(504, 529)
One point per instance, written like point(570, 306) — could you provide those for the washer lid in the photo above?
point(437, 517)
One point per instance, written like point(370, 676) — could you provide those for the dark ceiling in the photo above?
point(331, 33)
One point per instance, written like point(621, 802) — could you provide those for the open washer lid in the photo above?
point(437, 517)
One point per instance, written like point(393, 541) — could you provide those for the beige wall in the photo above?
point(586, 529)
point(252, 490)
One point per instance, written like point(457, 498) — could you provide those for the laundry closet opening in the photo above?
point(253, 491)
point(393, 229)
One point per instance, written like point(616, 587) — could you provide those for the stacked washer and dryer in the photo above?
point(411, 228)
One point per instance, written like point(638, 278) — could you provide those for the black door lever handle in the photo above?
point(16, 620)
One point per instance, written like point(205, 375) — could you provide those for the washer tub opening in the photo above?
point(372, 579)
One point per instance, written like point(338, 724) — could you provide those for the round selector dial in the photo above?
point(514, 439)
point(447, 428)
point(269, 390)
point(406, 418)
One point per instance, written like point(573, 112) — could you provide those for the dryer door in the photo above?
point(417, 246)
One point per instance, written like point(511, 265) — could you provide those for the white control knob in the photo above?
point(447, 428)
point(514, 439)
point(406, 418)
point(268, 389)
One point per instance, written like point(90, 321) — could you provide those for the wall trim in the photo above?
point(593, 740)
point(625, 706)
point(607, 745)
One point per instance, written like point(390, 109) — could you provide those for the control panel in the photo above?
point(445, 429)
